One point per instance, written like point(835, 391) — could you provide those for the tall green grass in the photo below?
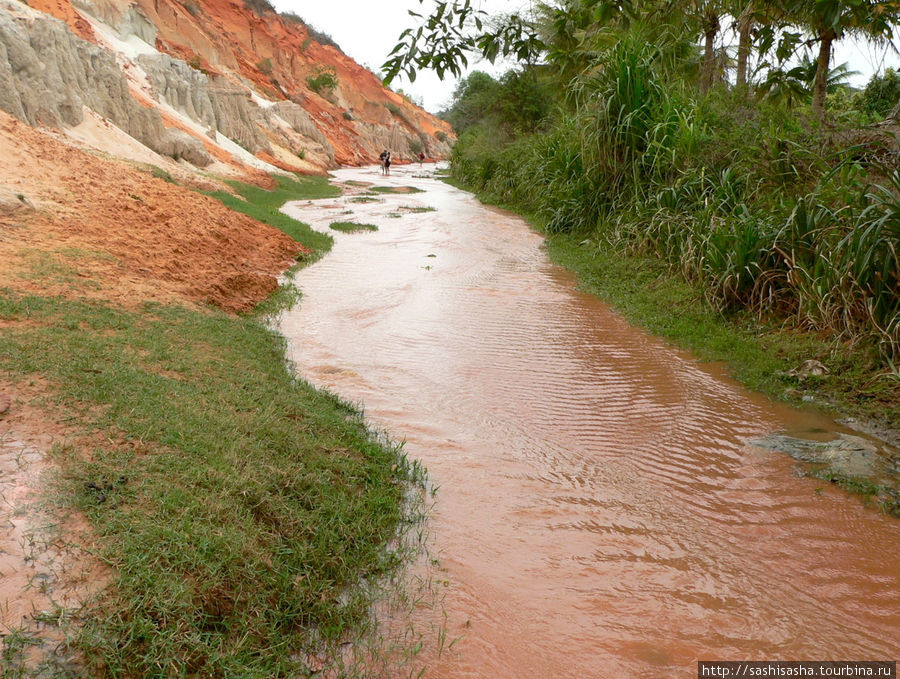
point(764, 211)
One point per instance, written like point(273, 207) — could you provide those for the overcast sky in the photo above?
point(368, 31)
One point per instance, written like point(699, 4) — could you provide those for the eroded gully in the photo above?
point(599, 511)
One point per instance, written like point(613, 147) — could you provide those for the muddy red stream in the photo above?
point(599, 512)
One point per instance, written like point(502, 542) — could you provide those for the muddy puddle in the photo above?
point(45, 575)
point(599, 512)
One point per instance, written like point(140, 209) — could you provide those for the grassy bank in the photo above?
point(265, 206)
point(244, 513)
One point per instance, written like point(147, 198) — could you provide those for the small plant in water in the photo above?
point(396, 189)
point(352, 227)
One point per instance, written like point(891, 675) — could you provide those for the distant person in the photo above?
point(421, 158)
point(387, 162)
point(381, 159)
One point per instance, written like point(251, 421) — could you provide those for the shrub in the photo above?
point(259, 7)
point(322, 38)
point(317, 35)
point(265, 66)
point(322, 78)
point(416, 146)
point(882, 93)
point(441, 136)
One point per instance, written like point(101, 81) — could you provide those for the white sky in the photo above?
point(367, 30)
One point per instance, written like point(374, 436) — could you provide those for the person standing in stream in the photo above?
point(381, 158)
point(387, 163)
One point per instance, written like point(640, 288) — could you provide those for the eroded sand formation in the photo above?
point(206, 84)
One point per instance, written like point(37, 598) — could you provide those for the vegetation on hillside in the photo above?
point(319, 36)
point(751, 169)
point(322, 80)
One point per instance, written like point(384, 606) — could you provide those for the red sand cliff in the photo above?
point(276, 55)
point(226, 34)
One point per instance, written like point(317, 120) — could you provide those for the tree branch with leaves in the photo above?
point(455, 31)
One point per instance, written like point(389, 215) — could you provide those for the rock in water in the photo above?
point(848, 455)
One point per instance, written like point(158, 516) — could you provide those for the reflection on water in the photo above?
point(599, 513)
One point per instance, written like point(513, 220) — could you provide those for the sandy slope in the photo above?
point(105, 229)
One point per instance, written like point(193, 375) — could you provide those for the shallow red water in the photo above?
point(599, 512)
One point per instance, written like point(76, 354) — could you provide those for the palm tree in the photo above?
point(705, 17)
point(786, 86)
point(749, 15)
point(796, 84)
point(710, 25)
point(575, 31)
point(745, 25)
point(831, 20)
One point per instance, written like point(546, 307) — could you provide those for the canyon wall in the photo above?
point(205, 81)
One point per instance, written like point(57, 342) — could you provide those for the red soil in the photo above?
point(103, 229)
point(63, 9)
point(278, 55)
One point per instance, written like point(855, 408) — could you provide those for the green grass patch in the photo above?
point(364, 199)
point(265, 206)
point(416, 209)
point(77, 253)
point(160, 173)
point(886, 499)
point(17, 645)
point(396, 189)
point(352, 227)
point(240, 507)
point(59, 267)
